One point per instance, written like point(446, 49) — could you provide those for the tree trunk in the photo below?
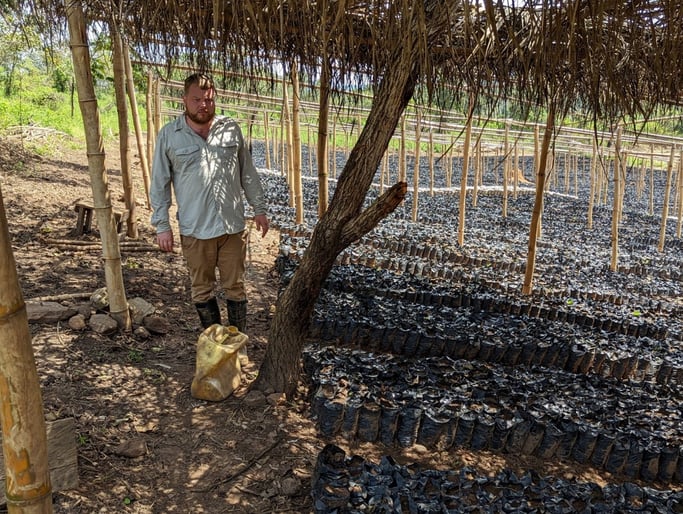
point(118, 306)
point(343, 223)
point(24, 442)
point(537, 213)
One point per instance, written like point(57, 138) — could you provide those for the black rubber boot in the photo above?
point(237, 317)
point(237, 314)
point(209, 313)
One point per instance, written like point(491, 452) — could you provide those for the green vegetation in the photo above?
point(37, 85)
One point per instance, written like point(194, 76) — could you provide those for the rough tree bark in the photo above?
point(343, 223)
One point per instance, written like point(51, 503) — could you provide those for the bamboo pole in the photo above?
point(118, 306)
point(311, 152)
point(477, 172)
point(384, 175)
point(24, 442)
point(515, 170)
point(296, 146)
point(614, 263)
point(651, 205)
point(665, 207)
point(334, 148)
point(449, 169)
point(431, 163)
point(157, 108)
point(506, 169)
point(416, 172)
point(465, 171)
point(323, 138)
point(150, 117)
point(592, 178)
point(130, 89)
point(679, 225)
point(537, 213)
point(266, 138)
point(124, 136)
point(402, 152)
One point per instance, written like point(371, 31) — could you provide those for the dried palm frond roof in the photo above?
point(607, 57)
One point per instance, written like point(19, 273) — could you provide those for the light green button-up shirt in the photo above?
point(208, 178)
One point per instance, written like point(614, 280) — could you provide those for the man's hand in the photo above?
point(261, 221)
point(165, 240)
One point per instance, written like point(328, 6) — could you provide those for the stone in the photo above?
point(47, 312)
point(100, 299)
point(103, 324)
point(131, 448)
point(77, 322)
point(139, 308)
point(142, 333)
point(156, 324)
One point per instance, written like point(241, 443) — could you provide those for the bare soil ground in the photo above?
point(145, 445)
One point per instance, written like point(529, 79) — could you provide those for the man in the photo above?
point(204, 157)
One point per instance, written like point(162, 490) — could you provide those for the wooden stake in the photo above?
point(614, 263)
point(537, 213)
point(665, 207)
point(118, 306)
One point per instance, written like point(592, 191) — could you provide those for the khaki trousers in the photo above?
point(227, 253)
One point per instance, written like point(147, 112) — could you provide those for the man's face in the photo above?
point(200, 104)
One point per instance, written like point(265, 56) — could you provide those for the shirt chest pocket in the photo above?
point(185, 157)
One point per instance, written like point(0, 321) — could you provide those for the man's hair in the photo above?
point(202, 80)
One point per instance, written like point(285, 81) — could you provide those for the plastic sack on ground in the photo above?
point(218, 372)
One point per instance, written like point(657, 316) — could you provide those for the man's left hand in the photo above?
point(261, 221)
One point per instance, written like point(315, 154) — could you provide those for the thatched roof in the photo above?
point(606, 57)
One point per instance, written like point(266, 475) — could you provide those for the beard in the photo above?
point(200, 117)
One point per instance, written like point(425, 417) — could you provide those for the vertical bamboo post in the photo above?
point(402, 151)
point(311, 151)
point(266, 138)
point(24, 441)
point(576, 174)
point(416, 172)
point(537, 156)
point(477, 172)
point(449, 168)
point(679, 225)
point(157, 108)
point(130, 89)
point(651, 207)
point(614, 263)
point(665, 207)
point(515, 170)
point(295, 147)
point(465, 171)
point(118, 306)
point(431, 163)
point(334, 148)
point(323, 138)
point(150, 117)
point(537, 212)
point(124, 139)
point(383, 176)
point(592, 178)
point(506, 169)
